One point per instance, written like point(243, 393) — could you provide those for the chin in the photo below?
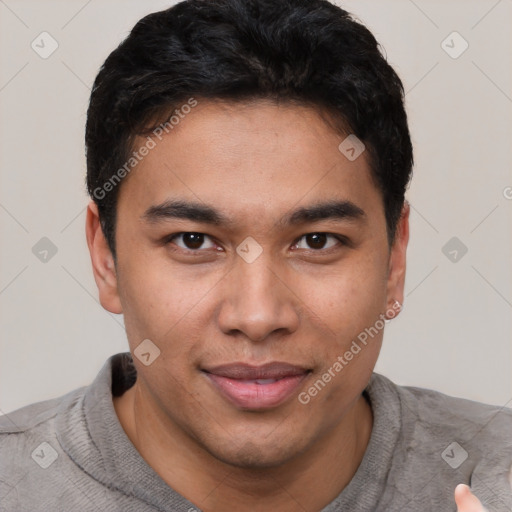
point(251, 454)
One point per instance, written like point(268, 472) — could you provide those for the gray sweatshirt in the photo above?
point(72, 454)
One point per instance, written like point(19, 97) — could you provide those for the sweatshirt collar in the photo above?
point(90, 433)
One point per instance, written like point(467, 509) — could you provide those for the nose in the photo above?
point(258, 301)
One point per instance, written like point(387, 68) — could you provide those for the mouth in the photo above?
point(256, 387)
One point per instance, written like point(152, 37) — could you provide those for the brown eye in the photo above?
point(190, 240)
point(317, 241)
point(193, 240)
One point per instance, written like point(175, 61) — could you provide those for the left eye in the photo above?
point(318, 240)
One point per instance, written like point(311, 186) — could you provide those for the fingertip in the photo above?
point(461, 489)
point(461, 494)
point(466, 500)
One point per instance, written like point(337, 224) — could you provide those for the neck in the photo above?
point(310, 481)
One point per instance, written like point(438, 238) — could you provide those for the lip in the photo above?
point(256, 387)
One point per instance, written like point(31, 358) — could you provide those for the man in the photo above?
point(247, 162)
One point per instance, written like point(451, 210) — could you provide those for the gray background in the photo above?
point(454, 334)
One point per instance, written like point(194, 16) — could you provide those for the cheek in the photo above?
point(350, 305)
point(164, 304)
point(350, 298)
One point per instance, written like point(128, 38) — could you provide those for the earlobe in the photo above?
point(102, 262)
point(397, 261)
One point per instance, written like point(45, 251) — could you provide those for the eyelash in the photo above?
point(343, 241)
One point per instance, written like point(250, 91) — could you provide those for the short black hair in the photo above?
point(307, 51)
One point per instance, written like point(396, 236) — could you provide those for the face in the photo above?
point(252, 289)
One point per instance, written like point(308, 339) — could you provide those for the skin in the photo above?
point(296, 303)
point(466, 500)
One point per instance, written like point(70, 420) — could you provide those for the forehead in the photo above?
point(254, 159)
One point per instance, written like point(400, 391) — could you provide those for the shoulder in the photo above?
point(451, 439)
point(29, 445)
point(449, 413)
point(36, 415)
point(28, 434)
point(459, 415)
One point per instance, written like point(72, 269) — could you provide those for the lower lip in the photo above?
point(249, 395)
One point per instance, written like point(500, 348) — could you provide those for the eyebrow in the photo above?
point(180, 209)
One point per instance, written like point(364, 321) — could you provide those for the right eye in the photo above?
point(191, 241)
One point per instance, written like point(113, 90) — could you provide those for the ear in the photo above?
point(102, 261)
point(397, 261)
